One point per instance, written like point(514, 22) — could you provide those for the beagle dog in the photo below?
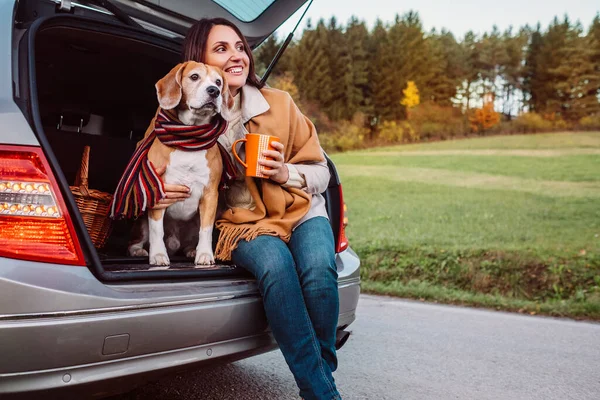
point(196, 93)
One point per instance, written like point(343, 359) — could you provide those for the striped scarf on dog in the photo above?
point(140, 187)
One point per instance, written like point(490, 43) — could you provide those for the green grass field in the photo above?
point(511, 222)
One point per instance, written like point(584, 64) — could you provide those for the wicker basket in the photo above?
point(93, 205)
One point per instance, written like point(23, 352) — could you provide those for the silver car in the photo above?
point(74, 318)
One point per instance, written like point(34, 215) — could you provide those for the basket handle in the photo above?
point(81, 179)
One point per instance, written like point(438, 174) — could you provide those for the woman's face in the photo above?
point(225, 49)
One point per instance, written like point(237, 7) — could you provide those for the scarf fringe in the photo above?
point(231, 234)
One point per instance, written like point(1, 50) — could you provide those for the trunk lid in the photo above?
point(256, 19)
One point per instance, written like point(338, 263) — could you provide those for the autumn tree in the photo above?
point(411, 95)
point(484, 118)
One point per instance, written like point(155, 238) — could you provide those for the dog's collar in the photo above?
point(253, 103)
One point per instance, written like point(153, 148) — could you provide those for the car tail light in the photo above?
point(34, 222)
point(342, 243)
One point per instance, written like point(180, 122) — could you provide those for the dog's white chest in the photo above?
point(189, 168)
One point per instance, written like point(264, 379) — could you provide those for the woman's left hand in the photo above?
point(279, 171)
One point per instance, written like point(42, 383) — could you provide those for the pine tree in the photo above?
point(446, 68)
point(492, 61)
point(576, 78)
point(408, 60)
point(593, 43)
point(513, 70)
point(334, 42)
point(311, 66)
point(535, 74)
point(470, 74)
point(550, 58)
point(593, 38)
point(380, 73)
point(356, 78)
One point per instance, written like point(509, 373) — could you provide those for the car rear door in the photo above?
point(257, 19)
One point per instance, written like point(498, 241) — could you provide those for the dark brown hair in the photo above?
point(194, 45)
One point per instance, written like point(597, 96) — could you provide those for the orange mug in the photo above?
point(256, 143)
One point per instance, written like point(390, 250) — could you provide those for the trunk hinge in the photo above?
point(63, 5)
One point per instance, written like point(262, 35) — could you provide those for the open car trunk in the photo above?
point(92, 83)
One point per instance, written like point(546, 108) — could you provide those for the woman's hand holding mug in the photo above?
point(264, 157)
point(278, 171)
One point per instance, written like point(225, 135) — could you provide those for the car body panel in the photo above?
point(15, 129)
point(47, 288)
point(64, 315)
point(59, 320)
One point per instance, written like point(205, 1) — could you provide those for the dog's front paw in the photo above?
point(138, 252)
point(190, 252)
point(204, 259)
point(159, 259)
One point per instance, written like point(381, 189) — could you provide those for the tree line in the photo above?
point(347, 71)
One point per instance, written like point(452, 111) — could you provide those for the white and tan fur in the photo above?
point(187, 224)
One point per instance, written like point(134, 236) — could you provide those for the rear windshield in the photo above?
point(245, 10)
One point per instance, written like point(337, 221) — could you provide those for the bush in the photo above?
point(397, 132)
point(530, 123)
point(432, 129)
point(433, 121)
point(560, 124)
point(286, 83)
point(346, 136)
point(483, 119)
point(591, 122)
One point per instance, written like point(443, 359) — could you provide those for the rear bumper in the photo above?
point(116, 375)
point(127, 338)
point(111, 377)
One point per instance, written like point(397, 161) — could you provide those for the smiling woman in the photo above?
point(221, 43)
point(226, 50)
point(277, 227)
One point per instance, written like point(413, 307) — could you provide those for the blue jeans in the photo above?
point(298, 283)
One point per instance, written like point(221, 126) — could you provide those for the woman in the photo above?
point(276, 228)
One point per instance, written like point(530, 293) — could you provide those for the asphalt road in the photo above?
point(411, 350)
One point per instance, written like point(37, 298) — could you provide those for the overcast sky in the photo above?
point(458, 16)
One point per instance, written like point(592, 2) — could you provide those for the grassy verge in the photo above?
point(510, 223)
point(513, 281)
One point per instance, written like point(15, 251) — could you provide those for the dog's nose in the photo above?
point(213, 91)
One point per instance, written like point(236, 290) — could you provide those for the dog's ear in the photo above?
point(168, 89)
point(227, 104)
